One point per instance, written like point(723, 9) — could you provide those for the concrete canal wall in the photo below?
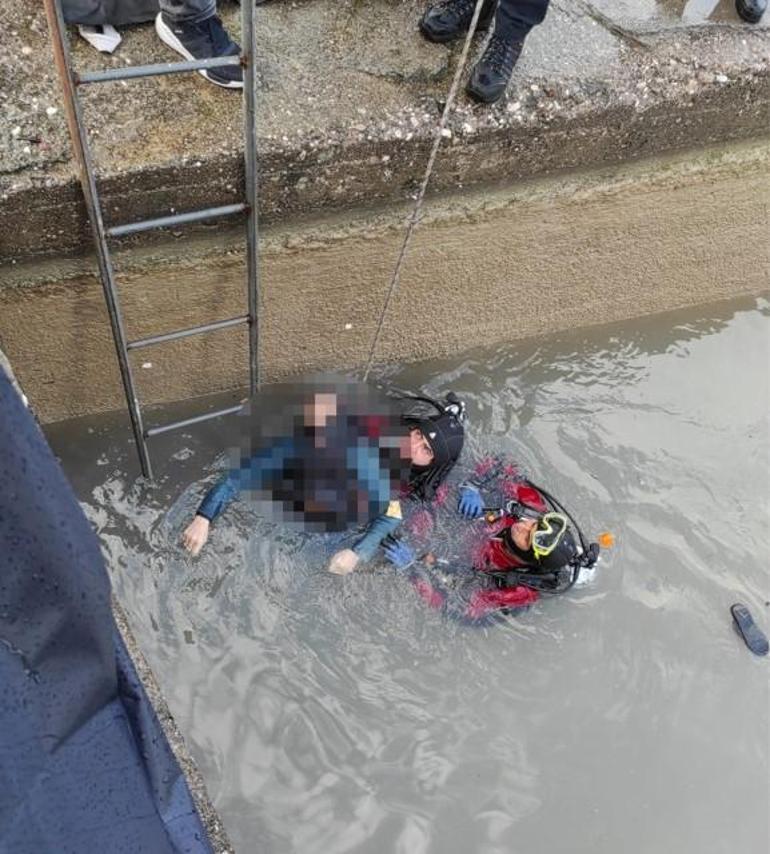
point(485, 266)
point(626, 172)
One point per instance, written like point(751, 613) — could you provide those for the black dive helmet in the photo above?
point(445, 434)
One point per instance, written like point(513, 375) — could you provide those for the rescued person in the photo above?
point(436, 442)
point(430, 446)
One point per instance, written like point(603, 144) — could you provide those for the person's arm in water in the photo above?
point(252, 476)
point(475, 603)
point(365, 462)
point(377, 530)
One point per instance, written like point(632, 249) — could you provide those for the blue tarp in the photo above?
point(84, 764)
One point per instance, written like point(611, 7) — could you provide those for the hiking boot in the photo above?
point(751, 10)
point(203, 40)
point(492, 72)
point(450, 19)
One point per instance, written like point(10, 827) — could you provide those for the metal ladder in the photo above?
point(70, 81)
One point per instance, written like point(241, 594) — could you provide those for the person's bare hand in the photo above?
point(343, 562)
point(195, 535)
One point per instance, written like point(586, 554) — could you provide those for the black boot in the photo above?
point(751, 10)
point(493, 71)
point(450, 19)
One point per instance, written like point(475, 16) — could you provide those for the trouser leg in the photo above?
point(188, 11)
point(515, 18)
point(117, 13)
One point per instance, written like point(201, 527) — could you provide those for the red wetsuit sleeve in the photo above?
point(484, 602)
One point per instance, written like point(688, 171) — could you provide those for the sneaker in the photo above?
point(450, 19)
point(751, 10)
point(201, 41)
point(493, 71)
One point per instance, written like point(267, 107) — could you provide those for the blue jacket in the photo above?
point(363, 460)
point(376, 531)
point(251, 475)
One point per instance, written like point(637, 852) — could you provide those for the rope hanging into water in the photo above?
point(414, 218)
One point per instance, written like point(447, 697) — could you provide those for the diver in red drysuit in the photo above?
point(527, 548)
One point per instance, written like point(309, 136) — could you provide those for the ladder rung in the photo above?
point(184, 333)
point(175, 425)
point(132, 71)
point(175, 219)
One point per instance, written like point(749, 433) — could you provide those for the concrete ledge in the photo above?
point(350, 95)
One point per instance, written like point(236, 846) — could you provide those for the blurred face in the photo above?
point(323, 407)
point(522, 532)
point(419, 449)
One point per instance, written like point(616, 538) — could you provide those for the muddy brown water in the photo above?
point(339, 715)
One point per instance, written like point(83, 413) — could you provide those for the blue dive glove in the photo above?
point(469, 503)
point(398, 553)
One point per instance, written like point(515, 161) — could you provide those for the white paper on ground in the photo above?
point(104, 38)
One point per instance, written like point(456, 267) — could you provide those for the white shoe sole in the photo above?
point(167, 36)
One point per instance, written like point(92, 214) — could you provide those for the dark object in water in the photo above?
point(753, 636)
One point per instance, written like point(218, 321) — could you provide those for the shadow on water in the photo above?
point(333, 715)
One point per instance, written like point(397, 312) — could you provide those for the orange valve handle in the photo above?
point(606, 540)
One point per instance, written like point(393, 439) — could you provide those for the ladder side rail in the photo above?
point(82, 153)
point(249, 40)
